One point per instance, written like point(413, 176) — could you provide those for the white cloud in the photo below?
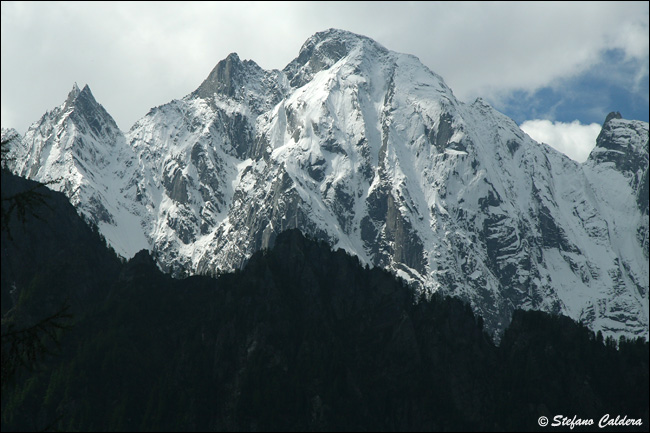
point(573, 139)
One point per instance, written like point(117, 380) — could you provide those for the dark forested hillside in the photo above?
point(302, 338)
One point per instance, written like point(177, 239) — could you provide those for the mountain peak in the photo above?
point(622, 142)
point(233, 57)
point(619, 133)
point(613, 115)
point(227, 77)
point(83, 97)
point(86, 91)
point(82, 108)
point(72, 95)
point(324, 49)
point(338, 35)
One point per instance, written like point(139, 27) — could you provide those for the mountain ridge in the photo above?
point(370, 150)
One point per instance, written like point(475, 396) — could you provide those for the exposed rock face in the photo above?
point(370, 150)
point(625, 144)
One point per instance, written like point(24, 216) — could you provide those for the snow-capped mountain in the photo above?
point(369, 150)
point(78, 149)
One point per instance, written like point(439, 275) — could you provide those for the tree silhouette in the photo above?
point(23, 345)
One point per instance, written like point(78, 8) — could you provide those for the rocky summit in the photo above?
point(369, 150)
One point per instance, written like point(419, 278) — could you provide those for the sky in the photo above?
point(556, 68)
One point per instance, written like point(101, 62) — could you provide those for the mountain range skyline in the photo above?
point(343, 241)
point(570, 64)
point(369, 150)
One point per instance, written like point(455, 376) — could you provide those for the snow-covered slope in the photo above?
point(370, 150)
